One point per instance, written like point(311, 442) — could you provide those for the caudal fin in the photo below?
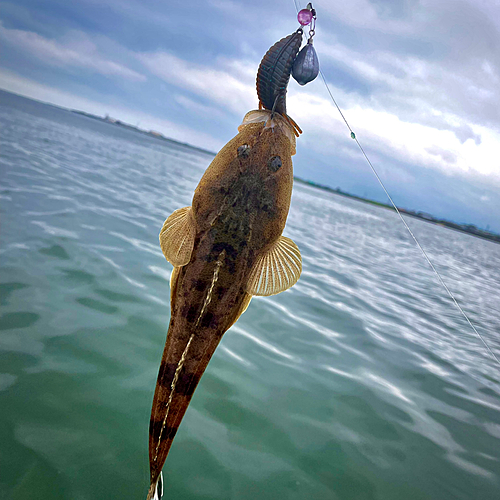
point(156, 490)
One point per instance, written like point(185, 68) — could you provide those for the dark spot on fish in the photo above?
point(169, 432)
point(231, 253)
point(243, 151)
point(208, 320)
point(198, 285)
point(166, 374)
point(221, 290)
point(155, 429)
point(191, 314)
point(186, 383)
point(274, 163)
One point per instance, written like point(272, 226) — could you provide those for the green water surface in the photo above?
point(362, 382)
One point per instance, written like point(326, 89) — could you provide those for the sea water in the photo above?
point(361, 382)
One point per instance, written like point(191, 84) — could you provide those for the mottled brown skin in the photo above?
point(240, 208)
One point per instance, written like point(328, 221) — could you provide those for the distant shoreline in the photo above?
point(464, 228)
point(151, 133)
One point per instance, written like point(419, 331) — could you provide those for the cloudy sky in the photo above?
point(417, 80)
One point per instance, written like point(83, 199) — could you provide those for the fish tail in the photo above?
point(181, 368)
point(156, 489)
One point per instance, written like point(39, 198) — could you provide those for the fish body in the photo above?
point(225, 248)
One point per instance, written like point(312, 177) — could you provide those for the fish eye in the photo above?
point(274, 163)
point(243, 151)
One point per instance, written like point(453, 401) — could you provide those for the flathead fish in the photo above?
point(227, 247)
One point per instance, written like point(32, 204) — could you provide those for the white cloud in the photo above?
point(365, 14)
point(416, 89)
point(418, 110)
point(213, 112)
point(78, 51)
point(231, 92)
point(385, 133)
point(423, 135)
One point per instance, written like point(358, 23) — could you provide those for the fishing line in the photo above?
point(353, 136)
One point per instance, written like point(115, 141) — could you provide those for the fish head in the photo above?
point(273, 121)
point(251, 177)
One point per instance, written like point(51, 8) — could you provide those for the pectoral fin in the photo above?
point(277, 270)
point(177, 237)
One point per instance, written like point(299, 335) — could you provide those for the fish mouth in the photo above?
point(284, 123)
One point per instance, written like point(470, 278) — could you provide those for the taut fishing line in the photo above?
point(353, 136)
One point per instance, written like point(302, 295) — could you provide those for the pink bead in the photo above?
point(304, 17)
